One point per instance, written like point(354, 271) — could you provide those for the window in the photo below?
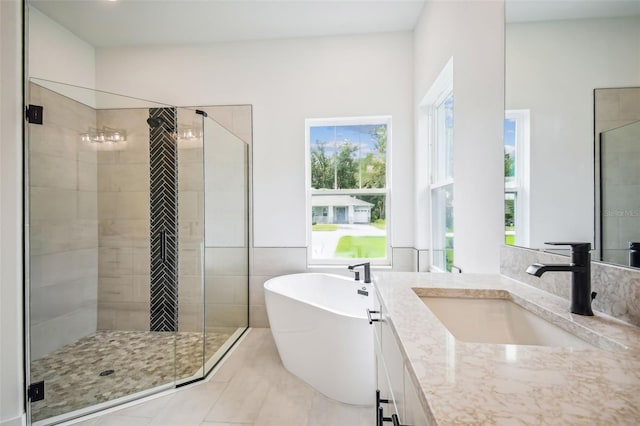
point(436, 124)
point(442, 184)
point(348, 190)
point(516, 177)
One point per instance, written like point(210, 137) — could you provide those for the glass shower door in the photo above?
point(226, 168)
point(126, 200)
point(93, 341)
point(190, 356)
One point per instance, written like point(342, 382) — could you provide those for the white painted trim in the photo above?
point(11, 290)
point(16, 421)
point(441, 88)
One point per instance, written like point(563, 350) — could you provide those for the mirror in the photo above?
point(556, 55)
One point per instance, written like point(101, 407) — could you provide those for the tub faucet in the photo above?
point(580, 268)
point(367, 271)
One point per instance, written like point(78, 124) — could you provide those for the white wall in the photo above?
point(552, 69)
point(57, 54)
point(472, 33)
point(286, 81)
point(11, 355)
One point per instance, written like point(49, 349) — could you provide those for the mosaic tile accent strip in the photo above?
point(140, 360)
point(164, 219)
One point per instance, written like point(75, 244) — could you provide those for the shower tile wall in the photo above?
point(190, 225)
point(616, 108)
point(226, 266)
point(164, 220)
point(225, 284)
point(123, 211)
point(63, 224)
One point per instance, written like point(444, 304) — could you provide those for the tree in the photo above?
point(346, 167)
point(509, 165)
point(380, 135)
point(321, 168)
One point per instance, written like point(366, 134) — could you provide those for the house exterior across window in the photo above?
point(340, 209)
point(347, 208)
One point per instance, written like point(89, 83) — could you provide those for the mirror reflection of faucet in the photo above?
point(580, 268)
point(634, 254)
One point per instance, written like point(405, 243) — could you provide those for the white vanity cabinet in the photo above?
point(392, 377)
point(413, 412)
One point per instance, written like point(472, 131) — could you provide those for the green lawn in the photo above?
point(361, 247)
point(380, 224)
point(324, 227)
point(510, 239)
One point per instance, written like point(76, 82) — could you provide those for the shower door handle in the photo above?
point(163, 246)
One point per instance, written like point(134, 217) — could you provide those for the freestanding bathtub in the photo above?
point(319, 323)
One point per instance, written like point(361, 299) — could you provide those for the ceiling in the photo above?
point(104, 23)
point(545, 10)
point(108, 23)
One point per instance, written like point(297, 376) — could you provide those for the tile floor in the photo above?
point(140, 360)
point(250, 388)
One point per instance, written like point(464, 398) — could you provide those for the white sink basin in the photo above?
point(497, 320)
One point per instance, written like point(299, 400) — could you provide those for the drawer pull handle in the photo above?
point(371, 320)
point(396, 420)
point(380, 418)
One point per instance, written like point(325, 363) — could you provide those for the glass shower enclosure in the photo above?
point(136, 247)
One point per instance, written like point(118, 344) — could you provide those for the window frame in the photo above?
point(386, 191)
point(440, 177)
point(520, 184)
point(437, 95)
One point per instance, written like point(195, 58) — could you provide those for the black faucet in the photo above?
point(367, 271)
point(580, 268)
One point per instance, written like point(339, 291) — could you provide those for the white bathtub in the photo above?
point(319, 323)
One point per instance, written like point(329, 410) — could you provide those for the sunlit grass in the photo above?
point(362, 247)
point(380, 224)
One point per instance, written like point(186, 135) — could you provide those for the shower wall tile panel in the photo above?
point(164, 221)
point(63, 224)
point(190, 226)
point(123, 210)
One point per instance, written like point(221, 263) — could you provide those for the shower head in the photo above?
point(154, 122)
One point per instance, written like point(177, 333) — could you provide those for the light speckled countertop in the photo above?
point(486, 384)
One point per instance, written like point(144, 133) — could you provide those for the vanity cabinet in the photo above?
point(392, 377)
point(413, 412)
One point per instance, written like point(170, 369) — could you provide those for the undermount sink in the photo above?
point(494, 318)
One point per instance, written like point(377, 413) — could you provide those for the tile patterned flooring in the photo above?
point(141, 360)
point(251, 388)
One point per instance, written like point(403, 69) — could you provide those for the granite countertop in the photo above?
point(488, 384)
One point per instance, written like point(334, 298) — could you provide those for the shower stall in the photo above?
point(136, 245)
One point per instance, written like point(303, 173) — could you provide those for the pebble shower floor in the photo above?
point(140, 360)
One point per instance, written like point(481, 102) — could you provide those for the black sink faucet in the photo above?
point(580, 268)
point(367, 271)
